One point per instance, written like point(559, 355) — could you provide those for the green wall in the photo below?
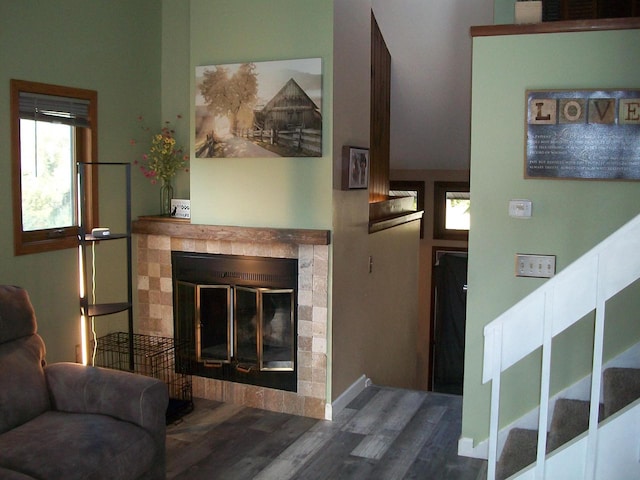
point(281, 192)
point(111, 46)
point(569, 217)
point(503, 11)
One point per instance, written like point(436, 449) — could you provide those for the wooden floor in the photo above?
point(383, 434)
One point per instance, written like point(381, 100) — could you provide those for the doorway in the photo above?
point(448, 324)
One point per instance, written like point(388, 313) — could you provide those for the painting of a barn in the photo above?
point(261, 109)
point(290, 108)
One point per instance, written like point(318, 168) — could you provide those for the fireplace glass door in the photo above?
point(277, 330)
point(238, 317)
point(264, 328)
point(213, 324)
point(246, 327)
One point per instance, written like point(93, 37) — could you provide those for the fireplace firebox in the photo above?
point(238, 314)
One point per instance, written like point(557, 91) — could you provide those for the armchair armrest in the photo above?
point(130, 397)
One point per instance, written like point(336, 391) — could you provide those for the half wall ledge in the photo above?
point(176, 227)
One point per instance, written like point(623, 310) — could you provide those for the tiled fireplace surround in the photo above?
point(157, 237)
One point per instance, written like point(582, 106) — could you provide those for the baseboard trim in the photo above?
point(346, 397)
point(466, 448)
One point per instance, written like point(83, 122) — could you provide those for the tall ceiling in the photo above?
point(430, 48)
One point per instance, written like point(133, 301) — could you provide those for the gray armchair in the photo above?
point(69, 421)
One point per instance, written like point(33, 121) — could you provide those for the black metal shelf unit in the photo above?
point(86, 239)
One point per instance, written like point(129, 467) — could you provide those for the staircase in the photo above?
point(583, 440)
point(621, 387)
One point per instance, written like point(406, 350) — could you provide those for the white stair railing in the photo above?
point(582, 287)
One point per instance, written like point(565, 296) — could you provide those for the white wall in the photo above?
point(374, 314)
point(430, 48)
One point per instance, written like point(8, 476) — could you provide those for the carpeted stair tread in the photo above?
point(570, 418)
point(621, 386)
point(518, 452)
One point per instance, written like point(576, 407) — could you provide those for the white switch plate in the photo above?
point(520, 208)
point(539, 266)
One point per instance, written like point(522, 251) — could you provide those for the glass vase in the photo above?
point(166, 194)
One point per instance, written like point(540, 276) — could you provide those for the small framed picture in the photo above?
point(355, 168)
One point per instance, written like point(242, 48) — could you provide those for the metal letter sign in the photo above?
point(583, 134)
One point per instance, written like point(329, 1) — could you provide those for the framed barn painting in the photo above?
point(355, 168)
point(259, 109)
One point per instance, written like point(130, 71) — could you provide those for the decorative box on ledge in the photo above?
point(528, 11)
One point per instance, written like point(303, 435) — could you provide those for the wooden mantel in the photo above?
point(173, 227)
point(558, 27)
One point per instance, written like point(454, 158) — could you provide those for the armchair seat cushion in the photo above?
point(11, 475)
point(77, 446)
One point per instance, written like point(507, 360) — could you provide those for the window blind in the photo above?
point(50, 108)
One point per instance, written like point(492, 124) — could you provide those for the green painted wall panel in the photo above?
point(280, 192)
point(109, 46)
point(569, 217)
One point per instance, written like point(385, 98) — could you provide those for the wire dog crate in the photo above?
point(154, 357)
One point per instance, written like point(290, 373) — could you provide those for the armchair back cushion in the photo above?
point(21, 361)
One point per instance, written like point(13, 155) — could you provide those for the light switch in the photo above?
point(540, 266)
point(520, 208)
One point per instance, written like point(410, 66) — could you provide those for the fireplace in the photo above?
point(238, 315)
point(156, 239)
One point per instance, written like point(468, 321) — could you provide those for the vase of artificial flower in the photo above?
point(166, 194)
point(162, 162)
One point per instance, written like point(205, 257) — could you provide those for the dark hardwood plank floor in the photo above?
point(384, 434)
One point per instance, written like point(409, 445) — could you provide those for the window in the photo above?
point(52, 128)
point(406, 188)
point(452, 203)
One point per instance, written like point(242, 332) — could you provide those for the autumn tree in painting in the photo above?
point(233, 96)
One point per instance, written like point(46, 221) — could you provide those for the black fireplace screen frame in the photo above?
point(227, 275)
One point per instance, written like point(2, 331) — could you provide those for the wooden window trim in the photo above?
point(419, 187)
point(439, 211)
point(86, 151)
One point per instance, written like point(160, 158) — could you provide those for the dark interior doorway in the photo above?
point(448, 320)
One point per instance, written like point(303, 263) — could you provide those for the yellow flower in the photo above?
point(164, 158)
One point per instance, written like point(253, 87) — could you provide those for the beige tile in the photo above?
point(164, 257)
point(304, 388)
point(305, 344)
point(305, 313)
point(314, 408)
point(305, 328)
point(305, 374)
point(153, 256)
point(143, 310)
point(155, 297)
point(305, 359)
point(143, 296)
point(319, 361)
point(213, 246)
point(166, 284)
point(143, 282)
point(166, 298)
point(254, 397)
point(293, 403)
point(305, 297)
point(154, 283)
point(273, 400)
point(154, 269)
point(143, 268)
point(319, 345)
point(318, 390)
point(321, 260)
